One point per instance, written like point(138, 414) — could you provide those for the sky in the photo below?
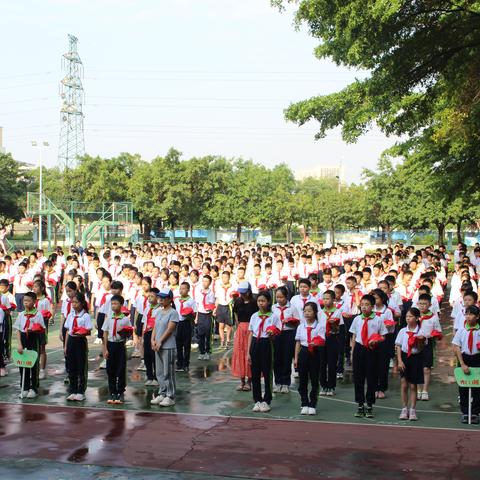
point(203, 76)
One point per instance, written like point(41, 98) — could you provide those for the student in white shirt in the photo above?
point(409, 345)
point(304, 296)
point(187, 309)
point(469, 299)
point(205, 301)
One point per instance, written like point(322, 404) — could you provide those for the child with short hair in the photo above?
point(205, 301)
point(148, 320)
point(186, 308)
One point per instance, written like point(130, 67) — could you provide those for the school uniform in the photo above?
point(7, 307)
point(350, 311)
point(30, 341)
point(186, 308)
point(299, 302)
point(365, 358)
point(117, 353)
point(148, 320)
point(2, 338)
point(429, 323)
point(141, 304)
point(468, 339)
point(20, 286)
point(284, 343)
point(329, 354)
point(77, 351)
point(412, 354)
point(386, 349)
point(309, 358)
point(224, 297)
point(44, 305)
point(104, 311)
point(205, 301)
point(165, 356)
point(261, 353)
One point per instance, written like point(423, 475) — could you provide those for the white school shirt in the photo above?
point(430, 324)
point(461, 340)
point(434, 307)
point(287, 311)
point(457, 307)
point(323, 317)
point(106, 304)
point(20, 282)
point(109, 324)
point(402, 339)
point(22, 319)
point(66, 307)
point(204, 298)
point(141, 304)
point(324, 286)
point(385, 314)
point(299, 302)
point(83, 320)
point(459, 320)
point(255, 322)
point(351, 308)
point(375, 325)
point(5, 300)
point(43, 304)
point(394, 306)
point(224, 294)
point(152, 313)
point(181, 303)
point(302, 336)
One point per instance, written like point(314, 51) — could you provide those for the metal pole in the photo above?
point(40, 201)
point(470, 406)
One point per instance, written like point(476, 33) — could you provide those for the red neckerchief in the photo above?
point(263, 319)
point(104, 299)
point(427, 316)
point(309, 338)
point(470, 336)
point(282, 312)
point(115, 320)
point(327, 323)
point(365, 329)
point(411, 341)
point(69, 307)
point(75, 323)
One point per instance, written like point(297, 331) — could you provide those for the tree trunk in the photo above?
point(459, 232)
point(191, 232)
point(441, 233)
point(388, 232)
point(332, 234)
point(239, 232)
point(147, 228)
point(289, 233)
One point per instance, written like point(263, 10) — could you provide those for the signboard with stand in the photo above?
point(27, 359)
point(472, 380)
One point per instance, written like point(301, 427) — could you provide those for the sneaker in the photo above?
point(403, 414)
point(66, 380)
point(97, 341)
point(323, 392)
point(80, 397)
point(360, 411)
point(475, 420)
point(419, 395)
point(136, 354)
point(103, 365)
point(111, 400)
point(178, 369)
point(201, 356)
point(194, 346)
point(157, 400)
point(256, 407)
point(142, 367)
point(148, 383)
point(206, 356)
point(42, 375)
point(167, 402)
point(295, 374)
point(32, 394)
point(129, 343)
point(312, 411)
point(277, 388)
point(71, 397)
point(369, 412)
point(413, 415)
point(464, 418)
point(330, 392)
point(118, 400)
point(285, 389)
point(3, 372)
point(340, 376)
point(60, 371)
point(23, 394)
point(265, 407)
point(425, 396)
point(154, 383)
point(304, 411)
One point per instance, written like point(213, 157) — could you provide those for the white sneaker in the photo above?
point(330, 393)
point(71, 397)
point(201, 356)
point(103, 365)
point(256, 407)
point(312, 411)
point(79, 397)
point(97, 341)
point(167, 402)
point(136, 354)
point(42, 375)
point(425, 396)
point(206, 356)
point(304, 411)
point(419, 395)
point(154, 383)
point(277, 388)
point(404, 414)
point(285, 389)
point(295, 374)
point(23, 394)
point(157, 400)
point(129, 343)
point(142, 367)
point(32, 394)
point(60, 371)
point(265, 407)
point(323, 392)
point(148, 383)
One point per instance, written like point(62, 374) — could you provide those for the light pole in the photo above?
point(40, 146)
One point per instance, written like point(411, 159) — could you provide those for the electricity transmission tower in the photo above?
point(72, 143)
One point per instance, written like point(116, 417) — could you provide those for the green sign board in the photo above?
point(26, 359)
point(472, 380)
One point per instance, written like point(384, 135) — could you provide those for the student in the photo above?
point(104, 299)
point(310, 341)
point(386, 349)
point(70, 291)
point(469, 299)
point(7, 304)
point(29, 326)
point(304, 296)
point(163, 343)
point(114, 349)
point(186, 308)
point(367, 331)
point(243, 309)
point(263, 325)
point(223, 315)
point(431, 327)
point(284, 343)
point(3, 370)
point(329, 319)
point(466, 344)
point(409, 346)
point(20, 287)
point(148, 320)
point(77, 325)
point(45, 307)
point(141, 305)
point(205, 301)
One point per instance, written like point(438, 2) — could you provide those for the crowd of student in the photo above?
point(300, 310)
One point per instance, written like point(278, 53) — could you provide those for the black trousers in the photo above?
point(308, 368)
point(204, 330)
point(2, 351)
point(261, 355)
point(471, 361)
point(283, 355)
point(348, 336)
point(328, 362)
point(365, 366)
point(117, 367)
point(384, 356)
point(7, 334)
point(149, 355)
point(100, 321)
point(64, 336)
point(290, 284)
point(30, 342)
point(406, 305)
point(184, 342)
point(77, 363)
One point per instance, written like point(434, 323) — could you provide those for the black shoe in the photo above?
point(369, 412)
point(360, 413)
point(464, 419)
point(475, 420)
point(186, 369)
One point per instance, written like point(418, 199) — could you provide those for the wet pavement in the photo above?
point(212, 430)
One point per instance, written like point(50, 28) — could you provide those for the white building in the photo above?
point(323, 171)
point(2, 148)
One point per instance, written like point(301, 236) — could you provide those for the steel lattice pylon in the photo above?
point(72, 143)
